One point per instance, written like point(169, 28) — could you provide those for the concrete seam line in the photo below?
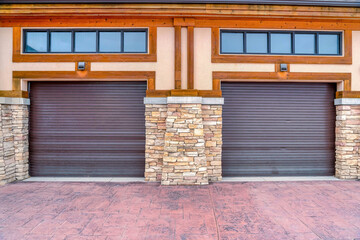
point(347, 101)
point(155, 100)
point(184, 100)
point(19, 101)
point(163, 100)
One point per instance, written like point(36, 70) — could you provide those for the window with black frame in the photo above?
point(86, 41)
point(280, 42)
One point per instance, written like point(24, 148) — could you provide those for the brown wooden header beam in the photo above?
point(178, 10)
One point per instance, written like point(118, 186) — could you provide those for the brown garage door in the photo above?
point(278, 129)
point(87, 129)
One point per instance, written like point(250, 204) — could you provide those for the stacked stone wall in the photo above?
point(347, 142)
point(155, 117)
point(212, 121)
point(14, 150)
point(183, 141)
point(184, 161)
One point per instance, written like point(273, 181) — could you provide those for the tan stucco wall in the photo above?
point(7, 66)
point(354, 69)
point(184, 58)
point(204, 67)
point(164, 66)
point(5, 58)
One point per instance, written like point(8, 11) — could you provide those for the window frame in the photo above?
point(37, 31)
point(97, 31)
point(316, 43)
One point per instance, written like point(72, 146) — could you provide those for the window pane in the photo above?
point(329, 44)
point(36, 42)
point(280, 43)
point(109, 41)
point(232, 42)
point(60, 42)
point(85, 42)
point(305, 43)
point(256, 43)
point(135, 42)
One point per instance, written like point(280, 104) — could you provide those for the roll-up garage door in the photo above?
point(87, 129)
point(278, 129)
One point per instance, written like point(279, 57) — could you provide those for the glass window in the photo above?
point(60, 42)
point(135, 42)
point(280, 42)
point(85, 41)
point(256, 43)
point(329, 44)
point(304, 43)
point(36, 42)
point(109, 41)
point(232, 42)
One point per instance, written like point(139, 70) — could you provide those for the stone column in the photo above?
point(347, 141)
point(212, 121)
point(184, 160)
point(155, 116)
point(20, 122)
point(7, 152)
point(183, 140)
point(14, 131)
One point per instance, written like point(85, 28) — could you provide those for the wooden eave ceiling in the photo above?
point(220, 11)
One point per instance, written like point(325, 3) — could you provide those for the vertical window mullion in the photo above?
point(24, 41)
point(122, 41)
point(48, 41)
point(340, 44)
point(293, 43)
point(268, 42)
point(97, 41)
point(316, 43)
point(244, 42)
point(72, 41)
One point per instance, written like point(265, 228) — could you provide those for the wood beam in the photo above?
point(190, 57)
point(177, 57)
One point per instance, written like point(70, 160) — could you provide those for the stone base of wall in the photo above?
point(14, 148)
point(183, 140)
point(347, 143)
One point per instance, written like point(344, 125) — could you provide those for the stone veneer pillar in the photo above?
point(183, 140)
point(14, 148)
point(155, 116)
point(347, 136)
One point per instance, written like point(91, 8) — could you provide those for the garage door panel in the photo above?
point(87, 129)
point(278, 129)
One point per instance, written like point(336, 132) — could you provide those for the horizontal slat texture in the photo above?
point(278, 129)
point(87, 129)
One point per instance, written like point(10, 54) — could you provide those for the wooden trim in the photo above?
point(83, 75)
point(177, 57)
point(93, 22)
point(232, 21)
point(183, 93)
point(284, 23)
point(183, 22)
point(14, 94)
point(178, 10)
point(190, 55)
point(99, 57)
point(216, 57)
point(280, 77)
point(348, 94)
point(158, 93)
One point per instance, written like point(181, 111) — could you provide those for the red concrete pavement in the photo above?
point(227, 211)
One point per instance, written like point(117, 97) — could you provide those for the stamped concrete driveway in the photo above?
point(256, 210)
